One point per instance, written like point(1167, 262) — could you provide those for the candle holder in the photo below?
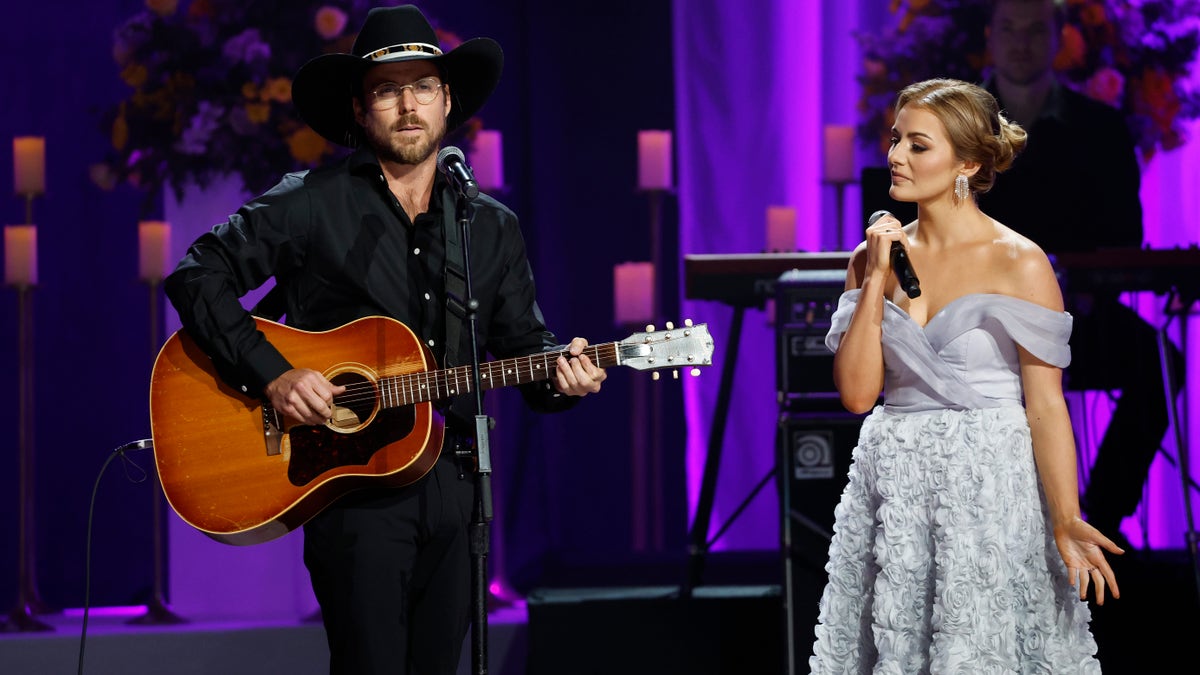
point(23, 617)
point(839, 187)
point(157, 611)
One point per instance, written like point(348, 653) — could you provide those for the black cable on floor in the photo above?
point(144, 444)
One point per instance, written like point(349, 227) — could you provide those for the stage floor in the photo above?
point(113, 646)
point(1152, 626)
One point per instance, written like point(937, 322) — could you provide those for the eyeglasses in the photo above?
point(386, 95)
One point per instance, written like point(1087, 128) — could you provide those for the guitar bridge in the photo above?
point(272, 431)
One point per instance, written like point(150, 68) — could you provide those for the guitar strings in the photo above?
point(423, 386)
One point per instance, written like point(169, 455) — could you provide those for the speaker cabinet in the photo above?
point(655, 630)
point(814, 452)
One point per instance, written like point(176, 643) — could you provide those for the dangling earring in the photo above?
point(961, 189)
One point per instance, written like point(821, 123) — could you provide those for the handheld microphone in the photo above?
point(900, 262)
point(452, 163)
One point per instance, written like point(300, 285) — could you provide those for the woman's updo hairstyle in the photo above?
point(977, 129)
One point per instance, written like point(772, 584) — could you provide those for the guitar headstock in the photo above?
point(689, 346)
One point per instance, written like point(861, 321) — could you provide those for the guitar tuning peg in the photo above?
point(695, 372)
point(670, 326)
point(675, 374)
point(654, 376)
point(649, 328)
point(687, 322)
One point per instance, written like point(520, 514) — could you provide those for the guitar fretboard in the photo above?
point(402, 390)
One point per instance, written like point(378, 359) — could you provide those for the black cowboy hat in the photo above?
point(323, 88)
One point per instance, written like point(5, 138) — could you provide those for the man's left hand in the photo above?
point(578, 376)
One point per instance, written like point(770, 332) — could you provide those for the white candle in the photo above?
point(154, 242)
point(29, 165)
point(487, 159)
point(20, 255)
point(633, 293)
point(781, 228)
point(654, 160)
point(839, 153)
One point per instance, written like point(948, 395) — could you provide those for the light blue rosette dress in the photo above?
point(943, 557)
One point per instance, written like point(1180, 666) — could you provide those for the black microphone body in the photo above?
point(452, 163)
point(900, 262)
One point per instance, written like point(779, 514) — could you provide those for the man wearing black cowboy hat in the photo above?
point(367, 236)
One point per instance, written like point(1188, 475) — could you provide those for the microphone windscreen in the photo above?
point(870, 221)
point(447, 152)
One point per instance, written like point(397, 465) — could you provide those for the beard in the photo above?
point(411, 151)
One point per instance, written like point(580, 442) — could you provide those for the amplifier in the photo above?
point(813, 460)
point(804, 303)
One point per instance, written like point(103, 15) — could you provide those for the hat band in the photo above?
point(402, 50)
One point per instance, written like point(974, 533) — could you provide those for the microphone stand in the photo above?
point(479, 532)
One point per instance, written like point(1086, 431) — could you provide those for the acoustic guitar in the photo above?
point(236, 470)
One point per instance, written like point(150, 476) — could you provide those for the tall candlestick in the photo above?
point(654, 160)
point(781, 228)
point(154, 243)
point(29, 165)
point(487, 159)
point(20, 255)
point(839, 154)
point(633, 293)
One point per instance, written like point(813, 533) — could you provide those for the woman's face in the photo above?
point(922, 160)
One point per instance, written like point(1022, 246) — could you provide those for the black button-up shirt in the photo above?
point(1075, 186)
point(340, 248)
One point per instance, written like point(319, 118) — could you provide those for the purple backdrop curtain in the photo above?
point(748, 89)
point(755, 83)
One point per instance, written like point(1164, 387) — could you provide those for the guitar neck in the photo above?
point(402, 390)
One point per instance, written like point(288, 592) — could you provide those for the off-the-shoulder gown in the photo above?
point(943, 558)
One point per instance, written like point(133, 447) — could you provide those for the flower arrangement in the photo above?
point(1135, 55)
point(210, 91)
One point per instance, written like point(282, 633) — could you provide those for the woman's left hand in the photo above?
point(1082, 549)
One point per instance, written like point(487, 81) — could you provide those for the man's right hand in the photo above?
point(303, 395)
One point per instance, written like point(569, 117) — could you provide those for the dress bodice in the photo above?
point(966, 356)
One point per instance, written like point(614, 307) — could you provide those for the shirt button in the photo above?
point(426, 296)
point(417, 251)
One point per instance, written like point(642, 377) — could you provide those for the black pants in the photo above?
point(1112, 347)
point(391, 570)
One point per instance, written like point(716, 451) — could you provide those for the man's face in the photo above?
point(1023, 39)
point(407, 131)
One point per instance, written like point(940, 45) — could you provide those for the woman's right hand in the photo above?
point(880, 236)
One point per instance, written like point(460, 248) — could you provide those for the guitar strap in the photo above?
point(455, 278)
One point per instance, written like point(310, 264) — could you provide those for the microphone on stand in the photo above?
point(450, 161)
point(901, 265)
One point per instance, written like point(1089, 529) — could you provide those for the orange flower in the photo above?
point(330, 22)
point(278, 89)
point(250, 90)
point(1158, 101)
point(1106, 85)
point(200, 9)
point(258, 112)
point(120, 130)
point(162, 7)
point(1093, 14)
point(1072, 53)
point(134, 75)
point(307, 146)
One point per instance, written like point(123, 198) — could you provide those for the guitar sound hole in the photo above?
point(354, 407)
point(317, 449)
